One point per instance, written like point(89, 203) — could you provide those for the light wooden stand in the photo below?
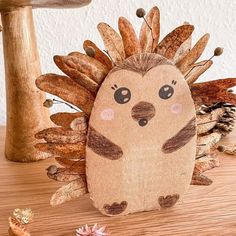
point(25, 113)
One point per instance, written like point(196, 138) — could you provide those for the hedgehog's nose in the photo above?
point(143, 112)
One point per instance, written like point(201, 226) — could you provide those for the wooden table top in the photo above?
point(205, 210)
point(5, 4)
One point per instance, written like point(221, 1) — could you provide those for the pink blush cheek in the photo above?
point(176, 108)
point(107, 114)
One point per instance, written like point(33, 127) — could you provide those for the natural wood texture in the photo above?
point(205, 210)
point(6, 4)
point(25, 113)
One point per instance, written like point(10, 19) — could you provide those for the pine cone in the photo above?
point(225, 122)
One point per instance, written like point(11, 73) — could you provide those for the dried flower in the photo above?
point(48, 103)
point(220, 148)
point(140, 13)
point(218, 51)
point(23, 216)
point(90, 51)
point(52, 169)
point(92, 231)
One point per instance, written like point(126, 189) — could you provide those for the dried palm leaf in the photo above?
point(183, 49)
point(72, 190)
point(171, 43)
point(149, 38)
point(71, 151)
point(196, 70)
point(130, 40)
point(65, 88)
point(64, 119)
point(65, 174)
point(99, 55)
point(201, 180)
point(79, 125)
point(205, 163)
point(71, 164)
point(228, 149)
point(113, 42)
point(61, 135)
point(214, 91)
point(77, 63)
point(194, 54)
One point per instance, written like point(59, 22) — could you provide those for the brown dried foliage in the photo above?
point(171, 43)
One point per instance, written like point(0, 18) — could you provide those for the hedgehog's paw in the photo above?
point(115, 208)
point(168, 201)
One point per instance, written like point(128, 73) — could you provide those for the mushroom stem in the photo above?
point(25, 113)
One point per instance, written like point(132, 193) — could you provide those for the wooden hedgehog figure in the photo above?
point(133, 145)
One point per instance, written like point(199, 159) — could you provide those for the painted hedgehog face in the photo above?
point(140, 94)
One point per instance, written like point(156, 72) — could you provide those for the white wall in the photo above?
point(63, 31)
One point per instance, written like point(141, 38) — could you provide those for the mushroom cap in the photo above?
point(6, 4)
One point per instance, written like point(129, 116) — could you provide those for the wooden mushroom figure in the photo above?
point(25, 113)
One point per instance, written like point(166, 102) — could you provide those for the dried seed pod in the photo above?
point(140, 13)
point(90, 51)
point(52, 169)
point(218, 51)
point(48, 103)
point(99, 54)
point(221, 148)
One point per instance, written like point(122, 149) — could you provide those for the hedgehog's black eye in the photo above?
point(122, 95)
point(166, 91)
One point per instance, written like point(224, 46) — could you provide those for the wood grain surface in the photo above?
point(5, 4)
point(205, 211)
point(24, 100)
